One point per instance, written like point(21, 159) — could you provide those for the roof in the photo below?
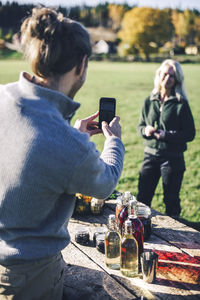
point(101, 33)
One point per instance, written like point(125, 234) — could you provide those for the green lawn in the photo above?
point(130, 83)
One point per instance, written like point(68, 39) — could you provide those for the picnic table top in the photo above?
point(178, 271)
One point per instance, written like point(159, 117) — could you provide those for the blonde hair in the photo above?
point(53, 44)
point(179, 88)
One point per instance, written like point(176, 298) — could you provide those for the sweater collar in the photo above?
point(64, 104)
point(157, 97)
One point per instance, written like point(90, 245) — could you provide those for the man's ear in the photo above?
point(80, 68)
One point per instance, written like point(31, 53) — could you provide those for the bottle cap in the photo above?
point(128, 223)
point(133, 202)
point(127, 194)
point(120, 199)
point(111, 217)
point(132, 216)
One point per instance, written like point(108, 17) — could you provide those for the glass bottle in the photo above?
point(123, 215)
point(138, 232)
point(144, 214)
point(129, 252)
point(132, 206)
point(119, 206)
point(112, 245)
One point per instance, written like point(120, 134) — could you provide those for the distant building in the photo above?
point(192, 50)
point(103, 40)
point(101, 47)
point(101, 33)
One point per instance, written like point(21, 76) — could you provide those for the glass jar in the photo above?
point(97, 231)
point(82, 204)
point(82, 235)
point(100, 242)
point(96, 206)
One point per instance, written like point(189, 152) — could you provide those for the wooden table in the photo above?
point(178, 272)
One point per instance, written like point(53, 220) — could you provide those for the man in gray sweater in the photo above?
point(44, 161)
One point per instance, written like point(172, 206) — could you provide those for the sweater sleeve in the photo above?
point(142, 121)
point(96, 175)
point(187, 129)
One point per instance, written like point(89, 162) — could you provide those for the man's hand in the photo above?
point(88, 125)
point(113, 129)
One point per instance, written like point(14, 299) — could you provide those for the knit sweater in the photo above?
point(43, 162)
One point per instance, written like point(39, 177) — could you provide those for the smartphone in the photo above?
point(106, 109)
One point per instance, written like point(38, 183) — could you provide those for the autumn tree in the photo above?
point(116, 13)
point(197, 30)
point(145, 29)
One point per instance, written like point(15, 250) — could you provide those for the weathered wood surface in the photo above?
point(178, 272)
point(84, 279)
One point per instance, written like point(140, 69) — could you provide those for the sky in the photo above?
point(181, 4)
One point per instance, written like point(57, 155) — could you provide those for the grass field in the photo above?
point(130, 83)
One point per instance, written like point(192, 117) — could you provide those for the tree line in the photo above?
point(138, 29)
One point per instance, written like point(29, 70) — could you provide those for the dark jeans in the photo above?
point(171, 170)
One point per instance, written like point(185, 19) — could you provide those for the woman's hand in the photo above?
point(88, 125)
point(159, 134)
point(149, 130)
point(113, 129)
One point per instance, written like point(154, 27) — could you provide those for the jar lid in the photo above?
point(100, 237)
point(143, 210)
point(97, 201)
point(82, 229)
point(100, 229)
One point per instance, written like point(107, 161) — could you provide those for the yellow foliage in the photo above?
point(145, 28)
point(116, 13)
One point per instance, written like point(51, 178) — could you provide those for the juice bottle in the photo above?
point(138, 232)
point(129, 252)
point(132, 206)
point(123, 215)
point(119, 206)
point(144, 214)
point(112, 245)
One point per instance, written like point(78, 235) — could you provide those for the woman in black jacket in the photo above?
point(166, 124)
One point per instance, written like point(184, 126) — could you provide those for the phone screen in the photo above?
point(106, 109)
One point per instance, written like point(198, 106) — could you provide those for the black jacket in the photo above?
point(175, 118)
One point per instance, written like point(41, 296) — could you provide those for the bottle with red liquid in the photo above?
point(144, 214)
point(138, 230)
point(123, 215)
point(132, 206)
point(119, 206)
